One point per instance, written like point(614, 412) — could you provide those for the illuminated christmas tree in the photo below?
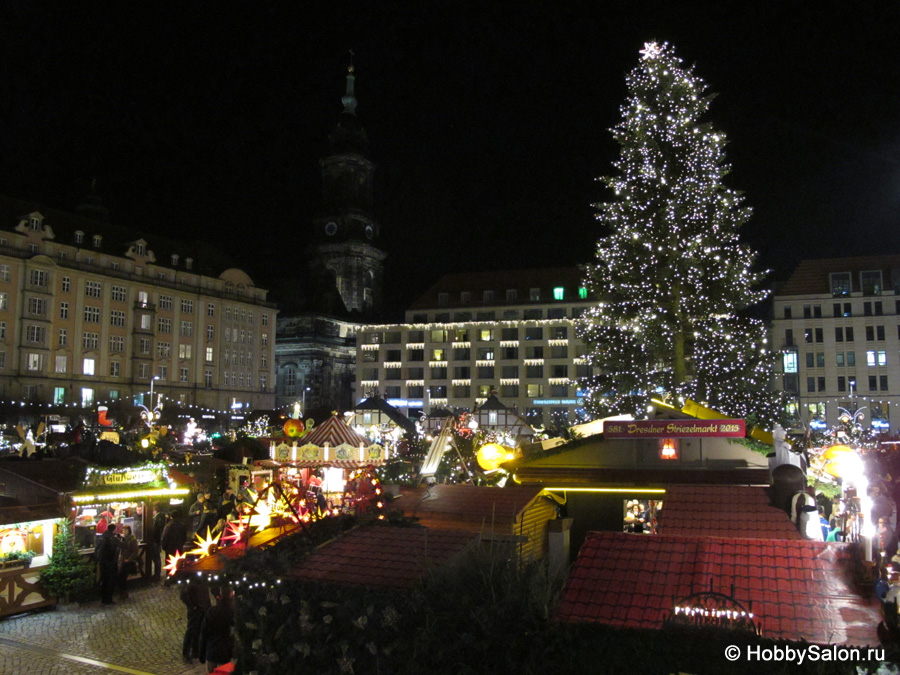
point(672, 277)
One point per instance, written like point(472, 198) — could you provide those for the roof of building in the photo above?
point(797, 590)
point(723, 511)
point(811, 277)
point(13, 515)
point(206, 258)
point(383, 556)
point(474, 505)
point(378, 404)
point(522, 281)
point(58, 475)
point(334, 432)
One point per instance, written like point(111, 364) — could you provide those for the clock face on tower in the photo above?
point(330, 228)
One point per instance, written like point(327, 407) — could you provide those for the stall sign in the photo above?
point(132, 477)
point(675, 429)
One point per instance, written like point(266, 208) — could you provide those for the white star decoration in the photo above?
point(651, 50)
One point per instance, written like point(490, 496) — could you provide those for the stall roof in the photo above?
point(797, 590)
point(739, 511)
point(59, 475)
point(468, 503)
point(12, 515)
point(378, 404)
point(334, 432)
point(383, 556)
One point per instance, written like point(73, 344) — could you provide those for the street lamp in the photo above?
point(306, 389)
point(152, 380)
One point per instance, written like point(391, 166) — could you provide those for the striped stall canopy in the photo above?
point(334, 432)
point(337, 463)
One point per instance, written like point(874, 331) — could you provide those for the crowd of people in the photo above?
point(207, 636)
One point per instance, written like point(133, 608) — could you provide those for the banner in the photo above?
point(675, 429)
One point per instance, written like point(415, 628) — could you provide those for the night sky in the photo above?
point(488, 122)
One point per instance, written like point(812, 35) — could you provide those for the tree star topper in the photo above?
point(651, 50)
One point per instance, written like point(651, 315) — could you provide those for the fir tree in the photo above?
point(672, 277)
point(68, 574)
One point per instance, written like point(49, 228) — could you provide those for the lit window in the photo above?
point(559, 293)
point(88, 367)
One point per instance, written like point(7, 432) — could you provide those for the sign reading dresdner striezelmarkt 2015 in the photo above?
point(675, 429)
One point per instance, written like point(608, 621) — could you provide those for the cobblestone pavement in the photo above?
point(141, 635)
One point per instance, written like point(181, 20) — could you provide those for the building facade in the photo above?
point(837, 325)
point(91, 313)
point(316, 350)
point(512, 333)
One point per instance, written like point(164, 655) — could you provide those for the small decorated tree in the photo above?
point(68, 575)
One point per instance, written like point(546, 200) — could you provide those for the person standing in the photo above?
point(227, 507)
point(209, 515)
point(128, 556)
point(174, 535)
point(154, 546)
point(195, 513)
point(107, 561)
point(216, 643)
point(195, 597)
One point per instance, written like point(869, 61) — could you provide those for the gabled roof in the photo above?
point(383, 556)
point(797, 590)
point(469, 505)
point(724, 511)
point(812, 276)
point(378, 404)
point(334, 432)
point(492, 403)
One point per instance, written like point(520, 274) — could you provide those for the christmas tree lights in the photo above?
point(672, 277)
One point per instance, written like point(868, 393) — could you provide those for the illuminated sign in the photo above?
point(675, 429)
point(129, 477)
point(557, 401)
point(405, 403)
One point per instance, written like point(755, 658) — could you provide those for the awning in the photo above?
point(337, 463)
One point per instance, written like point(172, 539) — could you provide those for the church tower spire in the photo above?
point(347, 260)
point(349, 98)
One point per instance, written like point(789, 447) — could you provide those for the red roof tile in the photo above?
point(724, 511)
point(807, 594)
point(383, 556)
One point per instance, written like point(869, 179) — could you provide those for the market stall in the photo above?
point(124, 496)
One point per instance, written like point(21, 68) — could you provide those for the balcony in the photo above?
point(149, 306)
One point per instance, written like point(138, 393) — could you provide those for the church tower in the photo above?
point(347, 265)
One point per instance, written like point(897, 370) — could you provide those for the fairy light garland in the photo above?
point(672, 277)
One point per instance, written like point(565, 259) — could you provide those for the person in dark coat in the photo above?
point(216, 642)
point(196, 598)
point(227, 505)
point(108, 562)
point(174, 535)
point(154, 546)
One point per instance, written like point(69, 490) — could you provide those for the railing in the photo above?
point(20, 591)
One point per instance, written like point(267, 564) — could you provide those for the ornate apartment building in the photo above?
point(512, 333)
point(837, 324)
point(90, 312)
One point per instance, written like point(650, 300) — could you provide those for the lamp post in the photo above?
point(305, 389)
point(152, 380)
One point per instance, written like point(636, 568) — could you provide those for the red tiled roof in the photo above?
point(382, 556)
point(723, 511)
point(471, 503)
point(798, 590)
